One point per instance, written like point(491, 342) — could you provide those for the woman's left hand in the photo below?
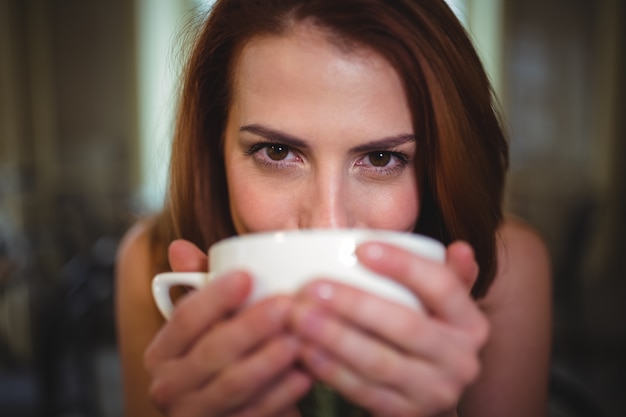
point(388, 358)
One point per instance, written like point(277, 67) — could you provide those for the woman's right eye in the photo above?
point(277, 152)
point(273, 154)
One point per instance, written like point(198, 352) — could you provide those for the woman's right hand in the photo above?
point(210, 360)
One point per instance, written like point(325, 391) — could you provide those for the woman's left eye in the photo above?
point(379, 159)
point(384, 162)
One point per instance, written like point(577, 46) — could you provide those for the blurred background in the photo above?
point(86, 97)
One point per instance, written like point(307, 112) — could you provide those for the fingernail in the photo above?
point(278, 311)
point(373, 251)
point(318, 291)
point(322, 290)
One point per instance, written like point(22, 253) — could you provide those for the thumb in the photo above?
point(184, 256)
point(460, 257)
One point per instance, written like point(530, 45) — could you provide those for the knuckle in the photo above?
point(445, 395)
point(382, 366)
point(153, 357)
point(474, 370)
point(264, 319)
point(469, 370)
point(375, 401)
point(445, 285)
point(383, 403)
point(231, 387)
point(481, 331)
point(149, 358)
point(250, 411)
point(404, 412)
point(160, 394)
point(206, 352)
point(256, 409)
point(410, 327)
point(284, 351)
point(394, 410)
point(183, 318)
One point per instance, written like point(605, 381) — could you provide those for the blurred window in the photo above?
point(159, 26)
point(483, 19)
point(458, 7)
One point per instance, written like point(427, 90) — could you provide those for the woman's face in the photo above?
point(318, 138)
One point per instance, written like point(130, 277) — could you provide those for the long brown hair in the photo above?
point(462, 154)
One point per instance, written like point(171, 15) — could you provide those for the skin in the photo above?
point(337, 107)
point(344, 160)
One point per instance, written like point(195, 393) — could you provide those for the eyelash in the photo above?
point(266, 162)
point(402, 159)
point(401, 162)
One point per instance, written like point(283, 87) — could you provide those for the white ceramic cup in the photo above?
point(282, 262)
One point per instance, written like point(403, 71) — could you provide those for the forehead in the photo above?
point(305, 46)
point(306, 71)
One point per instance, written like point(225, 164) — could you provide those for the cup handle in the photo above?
point(162, 283)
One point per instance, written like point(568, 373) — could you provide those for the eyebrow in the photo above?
point(289, 140)
point(274, 136)
point(388, 142)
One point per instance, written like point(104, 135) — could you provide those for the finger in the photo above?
point(224, 345)
point(195, 313)
point(429, 393)
point(184, 256)
point(168, 381)
point(279, 399)
point(460, 257)
point(241, 383)
point(235, 338)
point(437, 286)
point(409, 331)
point(379, 400)
point(375, 359)
point(434, 358)
point(347, 344)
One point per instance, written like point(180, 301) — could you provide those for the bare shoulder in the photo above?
point(519, 242)
point(134, 266)
point(134, 249)
point(137, 317)
point(523, 262)
point(134, 273)
point(518, 306)
point(135, 306)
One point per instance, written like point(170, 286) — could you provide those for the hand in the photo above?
point(388, 358)
point(209, 361)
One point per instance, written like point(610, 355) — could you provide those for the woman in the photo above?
point(326, 113)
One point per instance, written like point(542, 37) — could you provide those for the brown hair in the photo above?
point(462, 151)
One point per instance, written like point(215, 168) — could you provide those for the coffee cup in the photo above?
point(282, 262)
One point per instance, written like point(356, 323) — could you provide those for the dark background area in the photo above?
point(70, 171)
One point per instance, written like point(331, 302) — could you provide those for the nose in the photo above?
point(327, 203)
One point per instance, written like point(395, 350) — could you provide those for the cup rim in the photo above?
point(363, 234)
